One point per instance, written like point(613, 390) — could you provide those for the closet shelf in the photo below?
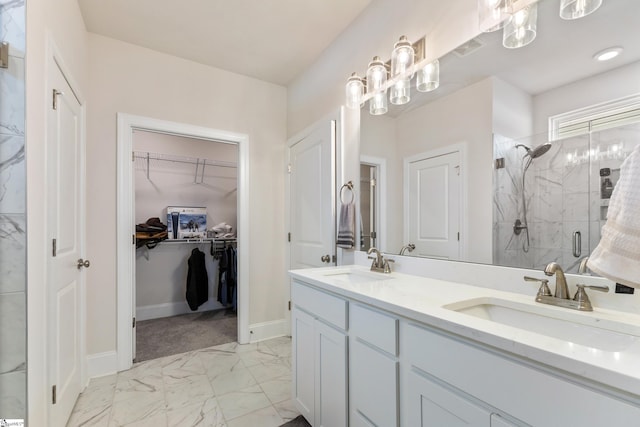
point(204, 240)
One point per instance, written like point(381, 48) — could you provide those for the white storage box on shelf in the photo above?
point(186, 222)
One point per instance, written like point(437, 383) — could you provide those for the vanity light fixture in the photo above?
point(521, 29)
point(394, 76)
point(607, 54)
point(354, 91)
point(376, 83)
point(574, 9)
point(402, 60)
point(493, 15)
point(428, 77)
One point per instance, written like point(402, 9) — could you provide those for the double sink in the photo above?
point(599, 330)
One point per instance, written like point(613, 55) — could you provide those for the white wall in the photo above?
point(129, 79)
point(60, 19)
point(512, 110)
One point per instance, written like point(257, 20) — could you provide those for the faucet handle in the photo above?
point(387, 267)
point(544, 285)
point(581, 287)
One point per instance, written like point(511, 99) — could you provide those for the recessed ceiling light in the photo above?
point(607, 54)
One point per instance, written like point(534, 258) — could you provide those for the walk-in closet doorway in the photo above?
point(197, 171)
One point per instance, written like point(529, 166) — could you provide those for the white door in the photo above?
point(312, 226)
point(65, 234)
point(433, 217)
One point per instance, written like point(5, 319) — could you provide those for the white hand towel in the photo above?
point(347, 226)
point(617, 256)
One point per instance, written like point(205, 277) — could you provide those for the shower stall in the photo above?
point(551, 198)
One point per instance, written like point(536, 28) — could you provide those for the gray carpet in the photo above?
point(187, 332)
point(298, 421)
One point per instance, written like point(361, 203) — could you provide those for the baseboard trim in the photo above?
point(101, 364)
point(267, 330)
point(148, 312)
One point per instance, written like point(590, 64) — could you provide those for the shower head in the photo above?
point(536, 152)
point(540, 150)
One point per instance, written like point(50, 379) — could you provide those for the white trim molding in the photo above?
point(604, 115)
point(267, 330)
point(127, 123)
point(157, 311)
point(101, 364)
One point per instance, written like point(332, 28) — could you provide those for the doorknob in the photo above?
point(325, 258)
point(83, 263)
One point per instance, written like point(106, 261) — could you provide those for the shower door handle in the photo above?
point(577, 244)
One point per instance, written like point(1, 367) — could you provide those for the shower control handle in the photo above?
point(577, 244)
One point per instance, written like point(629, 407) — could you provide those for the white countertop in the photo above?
point(422, 299)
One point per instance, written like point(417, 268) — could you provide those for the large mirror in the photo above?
point(466, 172)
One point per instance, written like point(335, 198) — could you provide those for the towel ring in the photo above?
point(348, 185)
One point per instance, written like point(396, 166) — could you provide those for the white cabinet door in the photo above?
point(331, 377)
point(431, 405)
point(303, 342)
point(373, 385)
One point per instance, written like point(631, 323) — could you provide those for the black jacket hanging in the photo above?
point(197, 280)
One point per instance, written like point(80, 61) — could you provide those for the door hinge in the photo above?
point(56, 93)
point(289, 168)
point(133, 324)
point(133, 239)
point(133, 156)
point(334, 259)
point(288, 237)
point(4, 55)
point(289, 305)
point(54, 398)
point(373, 235)
point(458, 236)
point(54, 247)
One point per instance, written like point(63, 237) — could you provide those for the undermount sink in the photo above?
point(348, 275)
point(586, 329)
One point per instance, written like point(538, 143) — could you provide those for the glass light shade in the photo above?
point(493, 14)
point(521, 30)
point(402, 58)
point(401, 92)
point(429, 77)
point(574, 9)
point(354, 92)
point(376, 81)
point(378, 104)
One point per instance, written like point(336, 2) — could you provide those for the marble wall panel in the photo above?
point(12, 215)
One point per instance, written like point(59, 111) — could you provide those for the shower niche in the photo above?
point(551, 198)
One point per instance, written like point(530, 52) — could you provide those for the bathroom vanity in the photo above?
point(374, 349)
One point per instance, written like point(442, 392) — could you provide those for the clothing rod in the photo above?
point(198, 161)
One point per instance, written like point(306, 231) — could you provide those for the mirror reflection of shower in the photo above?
point(527, 159)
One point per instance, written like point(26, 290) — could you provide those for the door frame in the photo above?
point(461, 148)
point(380, 164)
point(125, 227)
point(54, 59)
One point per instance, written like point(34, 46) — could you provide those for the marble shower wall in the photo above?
point(13, 377)
point(563, 195)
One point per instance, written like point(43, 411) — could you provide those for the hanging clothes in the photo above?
point(197, 280)
point(228, 277)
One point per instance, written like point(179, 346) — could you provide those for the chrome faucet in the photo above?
point(561, 296)
point(379, 264)
point(410, 247)
point(562, 291)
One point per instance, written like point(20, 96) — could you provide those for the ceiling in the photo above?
point(271, 40)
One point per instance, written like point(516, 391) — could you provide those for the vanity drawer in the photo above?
point(374, 327)
point(329, 308)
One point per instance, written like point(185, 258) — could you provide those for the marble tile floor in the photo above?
point(229, 385)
